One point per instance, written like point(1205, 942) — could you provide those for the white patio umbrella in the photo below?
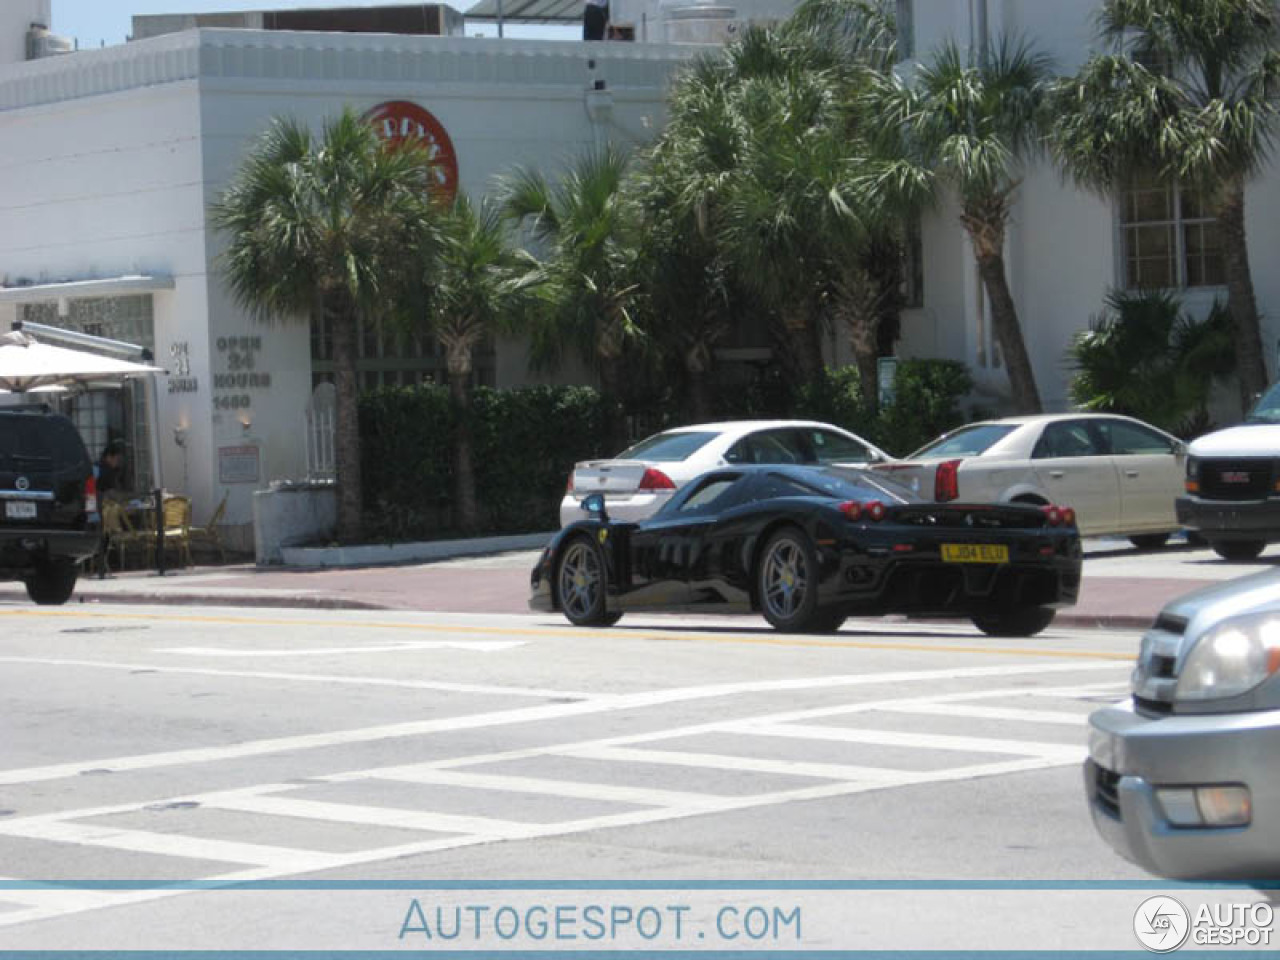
point(27, 364)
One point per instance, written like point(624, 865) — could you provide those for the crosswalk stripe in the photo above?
point(375, 816)
point(169, 844)
point(1062, 717)
point(716, 761)
point(923, 741)
point(641, 796)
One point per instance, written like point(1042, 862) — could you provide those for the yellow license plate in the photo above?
point(975, 553)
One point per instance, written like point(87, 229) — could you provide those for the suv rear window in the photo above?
point(965, 442)
point(668, 447)
point(30, 437)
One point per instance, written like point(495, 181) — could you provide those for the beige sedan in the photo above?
point(1120, 475)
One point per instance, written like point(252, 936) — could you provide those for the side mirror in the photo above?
point(593, 504)
point(1179, 448)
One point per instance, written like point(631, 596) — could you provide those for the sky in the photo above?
point(95, 22)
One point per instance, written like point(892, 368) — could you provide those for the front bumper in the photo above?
point(1230, 520)
point(1131, 755)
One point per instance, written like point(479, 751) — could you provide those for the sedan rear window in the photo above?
point(668, 447)
point(965, 442)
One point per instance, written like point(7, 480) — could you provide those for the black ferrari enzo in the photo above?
point(810, 546)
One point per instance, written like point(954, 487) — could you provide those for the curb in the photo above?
point(378, 555)
point(204, 600)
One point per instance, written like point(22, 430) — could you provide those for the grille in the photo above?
point(1106, 791)
point(1152, 707)
point(1235, 479)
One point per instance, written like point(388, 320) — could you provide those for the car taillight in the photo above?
point(91, 494)
point(568, 487)
point(656, 480)
point(872, 510)
point(1056, 516)
point(946, 481)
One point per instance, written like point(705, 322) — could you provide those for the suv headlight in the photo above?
point(1232, 658)
point(1193, 468)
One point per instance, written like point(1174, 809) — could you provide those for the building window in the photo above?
point(394, 358)
point(904, 19)
point(1170, 238)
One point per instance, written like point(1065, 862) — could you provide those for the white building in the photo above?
point(112, 157)
point(1065, 248)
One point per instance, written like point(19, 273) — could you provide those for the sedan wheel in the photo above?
point(1238, 550)
point(580, 582)
point(788, 585)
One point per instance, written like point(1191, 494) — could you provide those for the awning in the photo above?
point(527, 11)
point(26, 364)
point(76, 289)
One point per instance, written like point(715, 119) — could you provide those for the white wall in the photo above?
point(16, 18)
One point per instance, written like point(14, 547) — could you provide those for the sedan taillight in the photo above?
point(654, 479)
point(91, 494)
point(1056, 516)
point(946, 481)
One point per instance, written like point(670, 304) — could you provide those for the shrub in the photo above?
point(1145, 358)
point(526, 441)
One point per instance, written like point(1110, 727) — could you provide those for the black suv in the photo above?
point(48, 502)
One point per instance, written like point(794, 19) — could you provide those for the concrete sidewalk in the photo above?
point(1122, 588)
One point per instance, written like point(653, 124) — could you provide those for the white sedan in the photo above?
point(1120, 475)
point(644, 476)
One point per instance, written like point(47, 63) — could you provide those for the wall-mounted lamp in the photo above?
point(180, 436)
point(246, 422)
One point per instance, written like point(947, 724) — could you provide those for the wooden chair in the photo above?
point(120, 532)
point(209, 532)
point(177, 527)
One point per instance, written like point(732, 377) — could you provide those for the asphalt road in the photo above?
point(201, 744)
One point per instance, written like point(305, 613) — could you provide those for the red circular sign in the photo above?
point(400, 120)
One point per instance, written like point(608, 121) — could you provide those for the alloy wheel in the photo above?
point(786, 578)
point(580, 580)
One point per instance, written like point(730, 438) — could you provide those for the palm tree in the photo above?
point(758, 154)
point(1186, 95)
point(586, 226)
point(969, 126)
point(323, 225)
point(473, 293)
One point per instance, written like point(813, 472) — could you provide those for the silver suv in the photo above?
point(49, 518)
point(1182, 779)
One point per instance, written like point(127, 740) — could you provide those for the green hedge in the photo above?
point(527, 440)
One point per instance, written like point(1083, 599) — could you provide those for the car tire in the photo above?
point(53, 582)
point(1238, 550)
point(1014, 622)
point(787, 584)
point(582, 584)
point(1149, 541)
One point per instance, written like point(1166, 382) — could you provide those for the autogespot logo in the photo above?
point(1161, 924)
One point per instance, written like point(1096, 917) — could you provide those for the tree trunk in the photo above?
point(1251, 365)
point(346, 432)
point(697, 363)
point(1004, 320)
point(800, 345)
point(615, 425)
point(465, 512)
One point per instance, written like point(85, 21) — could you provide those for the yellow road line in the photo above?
point(579, 633)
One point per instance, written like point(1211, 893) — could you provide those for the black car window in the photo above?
point(668, 447)
point(965, 442)
point(25, 438)
point(1123, 437)
point(708, 493)
point(835, 483)
point(1066, 438)
point(831, 447)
